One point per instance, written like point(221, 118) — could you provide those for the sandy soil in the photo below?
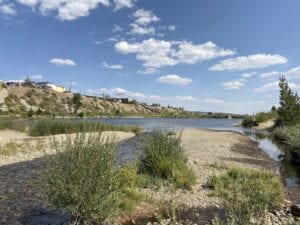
point(265, 125)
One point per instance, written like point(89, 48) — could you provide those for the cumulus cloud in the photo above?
point(112, 66)
point(248, 75)
point(190, 53)
point(270, 74)
point(119, 4)
point(142, 19)
point(249, 62)
point(235, 84)
point(159, 53)
point(62, 62)
point(7, 9)
point(73, 9)
point(174, 79)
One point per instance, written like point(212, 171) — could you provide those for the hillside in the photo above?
point(24, 101)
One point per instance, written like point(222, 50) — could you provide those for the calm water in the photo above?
point(290, 171)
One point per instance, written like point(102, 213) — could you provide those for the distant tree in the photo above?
point(28, 82)
point(289, 109)
point(76, 102)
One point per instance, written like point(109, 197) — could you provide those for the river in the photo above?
point(290, 171)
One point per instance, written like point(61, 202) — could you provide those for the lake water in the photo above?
point(289, 170)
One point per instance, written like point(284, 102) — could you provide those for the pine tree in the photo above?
point(289, 109)
point(76, 102)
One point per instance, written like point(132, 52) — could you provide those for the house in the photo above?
point(60, 89)
point(46, 85)
point(14, 83)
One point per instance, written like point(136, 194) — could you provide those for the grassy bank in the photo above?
point(52, 127)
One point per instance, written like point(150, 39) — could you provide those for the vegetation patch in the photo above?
point(51, 127)
point(164, 159)
point(247, 194)
point(84, 179)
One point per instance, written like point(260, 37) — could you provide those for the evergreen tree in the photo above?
point(289, 109)
point(28, 82)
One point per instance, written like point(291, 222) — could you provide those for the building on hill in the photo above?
point(49, 85)
point(14, 83)
point(60, 89)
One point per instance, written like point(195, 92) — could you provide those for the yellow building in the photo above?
point(59, 89)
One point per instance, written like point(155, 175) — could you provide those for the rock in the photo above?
point(295, 210)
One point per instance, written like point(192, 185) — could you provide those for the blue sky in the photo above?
point(208, 55)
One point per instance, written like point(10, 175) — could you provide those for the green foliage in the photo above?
point(76, 100)
point(83, 178)
point(28, 82)
point(289, 110)
point(55, 126)
point(249, 121)
point(290, 136)
point(5, 123)
point(265, 116)
point(247, 194)
point(164, 158)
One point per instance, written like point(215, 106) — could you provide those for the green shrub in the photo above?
point(247, 194)
point(249, 121)
point(164, 158)
point(5, 123)
point(290, 136)
point(51, 127)
point(83, 178)
point(265, 116)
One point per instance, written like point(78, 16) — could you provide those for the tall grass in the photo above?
point(164, 158)
point(247, 194)
point(51, 127)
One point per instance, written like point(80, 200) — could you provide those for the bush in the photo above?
point(51, 127)
point(5, 123)
point(247, 194)
point(164, 158)
point(249, 121)
point(83, 178)
point(290, 136)
point(265, 116)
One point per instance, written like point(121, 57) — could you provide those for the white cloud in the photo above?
point(186, 98)
point(8, 10)
point(62, 62)
point(143, 18)
point(214, 101)
point(116, 28)
point(30, 3)
point(274, 86)
point(293, 73)
point(141, 30)
point(112, 66)
point(248, 75)
point(235, 84)
point(159, 53)
point(73, 9)
point(249, 62)
point(119, 4)
point(154, 53)
point(190, 54)
point(174, 79)
point(36, 77)
point(148, 70)
point(270, 74)
point(172, 27)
